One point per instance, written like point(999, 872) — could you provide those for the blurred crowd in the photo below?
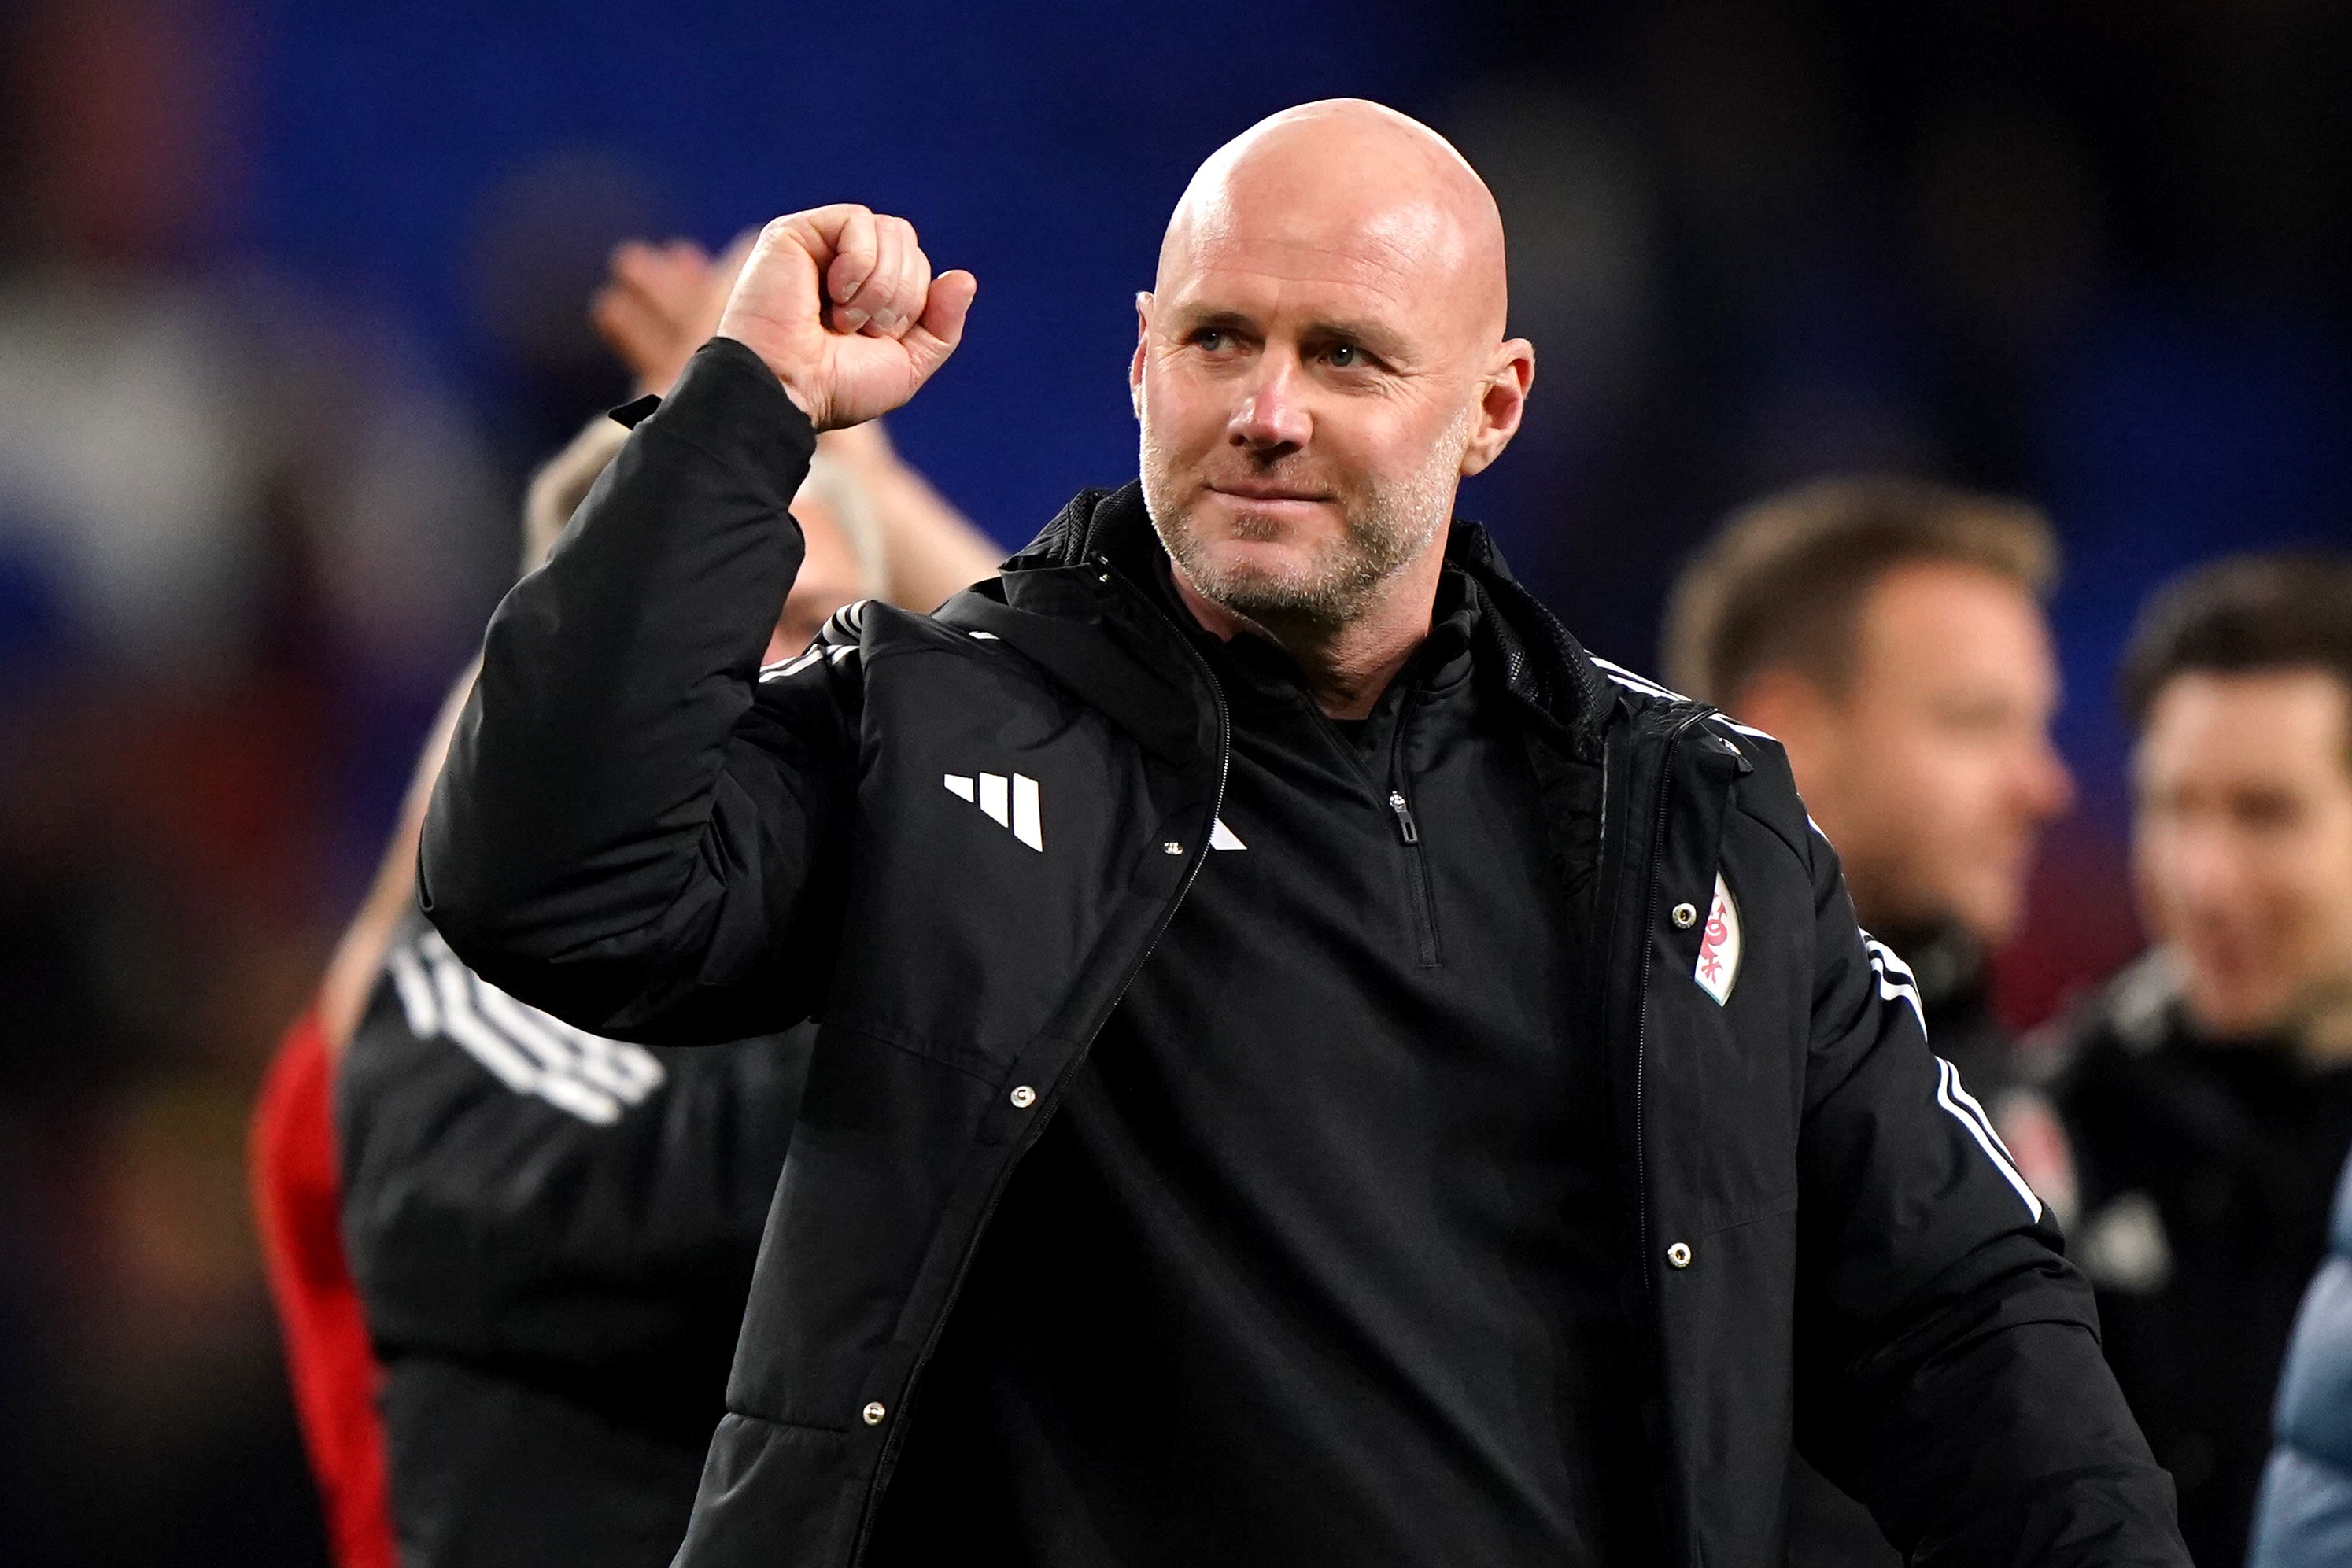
point(254, 509)
point(241, 537)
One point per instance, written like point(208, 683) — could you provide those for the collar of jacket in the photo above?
point(1110, 531)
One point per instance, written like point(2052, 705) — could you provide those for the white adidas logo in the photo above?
point(1011, 802)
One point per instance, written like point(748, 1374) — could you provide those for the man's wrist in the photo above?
point(798, 399)
point(729, 402)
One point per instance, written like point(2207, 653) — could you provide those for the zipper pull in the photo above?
point(1406, 827)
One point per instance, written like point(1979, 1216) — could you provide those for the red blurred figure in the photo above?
point(328, 1357)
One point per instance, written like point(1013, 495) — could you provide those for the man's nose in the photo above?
point(2204, 869)
point(1272, 414)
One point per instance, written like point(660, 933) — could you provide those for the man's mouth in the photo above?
point(1262, 490)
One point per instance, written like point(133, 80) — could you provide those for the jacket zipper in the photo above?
point(1424, 897)
point(1043, 1113)
point(1406, 829)
point(1419, 892)
point(1642, 995)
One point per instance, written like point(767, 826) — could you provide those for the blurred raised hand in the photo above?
point(663, 301)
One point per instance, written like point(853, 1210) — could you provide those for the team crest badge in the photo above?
point(1718, 948)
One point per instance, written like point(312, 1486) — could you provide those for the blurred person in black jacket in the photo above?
point(549, 1233)
point(2207, 1090)
point(1890, 632)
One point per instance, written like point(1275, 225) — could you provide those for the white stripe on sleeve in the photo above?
point(1950, 1095)
point(414, 991)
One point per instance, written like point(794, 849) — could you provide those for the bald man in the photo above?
point(1313, 1067)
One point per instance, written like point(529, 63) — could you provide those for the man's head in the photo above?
point(1891, 635)
point(2239, 680)
point(1321, 361)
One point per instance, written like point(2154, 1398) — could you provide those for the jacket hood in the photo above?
point(1543, 662)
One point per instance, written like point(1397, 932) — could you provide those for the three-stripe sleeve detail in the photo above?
point(527, 1050)
point(1896, 981)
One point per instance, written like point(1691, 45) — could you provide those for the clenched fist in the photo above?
point(842, 305)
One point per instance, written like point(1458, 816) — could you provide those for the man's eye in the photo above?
point(1347, 356)
point(1209, 338)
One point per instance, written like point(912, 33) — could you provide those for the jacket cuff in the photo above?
point(728, 402)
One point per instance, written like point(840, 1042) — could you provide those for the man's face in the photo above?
point(1309, 394)
point(830, 576)
point(2242, 842)
point(1933, 771)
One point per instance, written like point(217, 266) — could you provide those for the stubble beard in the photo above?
point(1382, 534)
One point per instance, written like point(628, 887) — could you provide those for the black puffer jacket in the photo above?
point(640, 831)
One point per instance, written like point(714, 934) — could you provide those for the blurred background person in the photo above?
point(1891, 634)
point(2207, 1090)
point(236, 512)
point(510, 1257)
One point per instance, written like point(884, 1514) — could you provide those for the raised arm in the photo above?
point(1967, 1402)
point(632, 831)
point(663, 301)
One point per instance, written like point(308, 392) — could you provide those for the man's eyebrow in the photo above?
point(1372, 335)
point(1379, 339)
point(1195, 319)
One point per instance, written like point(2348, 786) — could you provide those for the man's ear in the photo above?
point(1142, 336)
point(1501, 404)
